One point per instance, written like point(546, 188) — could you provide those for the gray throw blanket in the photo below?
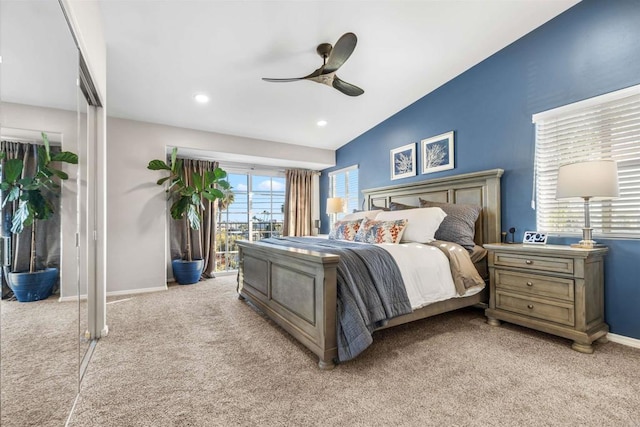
point(370, 289)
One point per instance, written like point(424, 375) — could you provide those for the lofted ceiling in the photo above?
point(160, 53)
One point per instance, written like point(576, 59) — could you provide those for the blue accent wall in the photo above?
point(591, 49)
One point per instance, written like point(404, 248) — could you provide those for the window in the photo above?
point(256, 212)
point(601, 128)
point(344, 183)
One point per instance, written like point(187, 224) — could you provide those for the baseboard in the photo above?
point(137, 291)
point(621, 339)
point(72, 298)
point(116, 293)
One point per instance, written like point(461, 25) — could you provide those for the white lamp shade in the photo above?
point(335, 205)
point(593, 179)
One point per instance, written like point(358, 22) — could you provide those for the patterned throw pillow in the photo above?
point(345, 230)
point(459, 226)
point(372, 231)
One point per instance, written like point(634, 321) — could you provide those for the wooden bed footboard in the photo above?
point(297, 289)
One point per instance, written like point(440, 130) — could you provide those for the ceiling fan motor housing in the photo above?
point(324, 49)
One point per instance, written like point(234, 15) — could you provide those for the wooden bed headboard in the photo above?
point(477, 188)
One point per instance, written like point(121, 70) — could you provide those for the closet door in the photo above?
point(38, 93)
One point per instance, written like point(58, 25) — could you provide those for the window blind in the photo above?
point(600, 128)
point(344, 183)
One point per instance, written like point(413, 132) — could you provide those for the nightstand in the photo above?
point(551, 288)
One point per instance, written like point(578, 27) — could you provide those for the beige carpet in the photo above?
point(38, 362)
point(197, 356)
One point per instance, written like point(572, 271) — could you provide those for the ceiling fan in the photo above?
point(332, 58)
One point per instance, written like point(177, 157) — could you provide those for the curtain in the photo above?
point(47, 243)
point(297, 203)
point(200, 244)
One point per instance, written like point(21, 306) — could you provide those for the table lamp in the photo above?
point(589, 180)
point(335, 205)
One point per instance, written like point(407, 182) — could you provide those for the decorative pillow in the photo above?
point(374, 231)
point(360, 215)
point(394, 206)
point(380, 208)
point(422, 223)
point(345, 230)
point(460, 224)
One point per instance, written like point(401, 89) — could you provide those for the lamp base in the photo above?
point(587, 244)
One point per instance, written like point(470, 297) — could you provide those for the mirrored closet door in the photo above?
point(43, 340)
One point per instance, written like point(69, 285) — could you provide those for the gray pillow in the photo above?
point(395, 206)
point(459, 226)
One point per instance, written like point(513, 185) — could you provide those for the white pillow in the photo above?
point(422, 223)
point(360, 215)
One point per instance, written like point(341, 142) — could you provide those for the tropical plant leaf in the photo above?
point(162, 180)
point(39, 206)
point(224, 185)
point(156, 165)
point(27, 183)
point(179, 207)
point(193, 217)
point(60, 174)
point(20, 217)
point(174, 155)
point(66, 157)
point(212, 194)
point(197, 181)
point(47, 149)
point(195, 199)
point(209, 179)
point(220, 173)
point(12, 194)
point(43, 159)
point(12, 170)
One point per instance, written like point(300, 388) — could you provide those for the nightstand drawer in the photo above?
point(534, 262)
point(535, 284)
point(535, 307)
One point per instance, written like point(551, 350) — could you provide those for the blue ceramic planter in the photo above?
point(187, 272)
point(28, 287)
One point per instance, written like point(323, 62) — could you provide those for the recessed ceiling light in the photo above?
point(322, 123)
point(201, 98)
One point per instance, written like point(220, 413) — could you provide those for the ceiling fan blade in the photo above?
point(316, 73)
point(294, 79)
point(340, 53)
point(346, 88)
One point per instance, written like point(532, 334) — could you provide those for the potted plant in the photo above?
point(33, 195)
point(187, 201)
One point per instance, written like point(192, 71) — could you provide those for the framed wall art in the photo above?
point(403, 161)
point(437, 153)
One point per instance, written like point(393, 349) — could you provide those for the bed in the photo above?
point(297, 288)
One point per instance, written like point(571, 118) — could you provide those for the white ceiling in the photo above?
point(161, 52)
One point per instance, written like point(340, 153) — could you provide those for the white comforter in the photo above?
point(426, 273)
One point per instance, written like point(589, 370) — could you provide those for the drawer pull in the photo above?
point(530, 306)
point(529, 284)
point(529, 262)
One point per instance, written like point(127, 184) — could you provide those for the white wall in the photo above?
point(136, 212)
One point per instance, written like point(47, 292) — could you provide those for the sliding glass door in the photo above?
point(256, 212)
